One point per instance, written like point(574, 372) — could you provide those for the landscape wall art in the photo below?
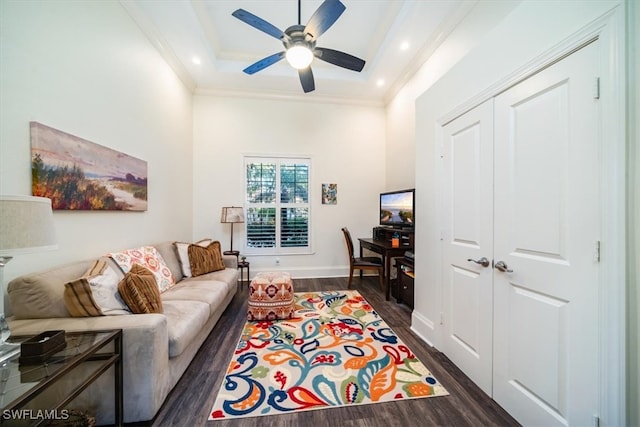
point(77, 174)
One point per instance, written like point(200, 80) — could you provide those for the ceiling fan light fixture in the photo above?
point(299, 56)
point(300, 42)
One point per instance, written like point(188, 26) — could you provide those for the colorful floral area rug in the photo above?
point(336, 352)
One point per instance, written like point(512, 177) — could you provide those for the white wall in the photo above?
point(633, 220)
point(86, 69)
point(512, 44)
point(400, 113)
point(347, 147)
point(530, 30)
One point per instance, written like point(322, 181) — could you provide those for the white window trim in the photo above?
point(278, 160)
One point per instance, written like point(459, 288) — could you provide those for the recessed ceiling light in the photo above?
point(380, 82)
point(196, 60)
point(404, 45)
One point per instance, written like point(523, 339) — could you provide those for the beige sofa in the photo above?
point(157, 348)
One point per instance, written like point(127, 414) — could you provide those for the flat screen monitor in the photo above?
point(397, 208)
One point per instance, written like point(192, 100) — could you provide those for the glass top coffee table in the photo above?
point(35, 393)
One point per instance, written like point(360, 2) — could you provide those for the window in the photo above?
point(277, 205)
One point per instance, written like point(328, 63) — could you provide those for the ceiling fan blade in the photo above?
point(306, 79)
point(324, 17)
point(264, 63)
point(259, 23)
point(338, 58)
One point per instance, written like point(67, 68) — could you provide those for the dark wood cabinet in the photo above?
point(404, 288)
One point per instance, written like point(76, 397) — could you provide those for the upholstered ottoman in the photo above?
point(271, 297)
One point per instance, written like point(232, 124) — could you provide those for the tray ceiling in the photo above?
point(394, 37)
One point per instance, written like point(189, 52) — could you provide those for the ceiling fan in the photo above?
point(300, 42)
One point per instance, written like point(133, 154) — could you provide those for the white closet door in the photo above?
point(546, 228)
point(468, 235)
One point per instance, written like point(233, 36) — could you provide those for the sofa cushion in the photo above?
point(148, 257)
point(203, 260)
point(140, 291)
point(227, 275)
point(210, 292)
point(185, 320)
point(183, 254)
point(96, 293)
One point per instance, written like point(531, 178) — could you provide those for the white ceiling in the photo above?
point(373, 30)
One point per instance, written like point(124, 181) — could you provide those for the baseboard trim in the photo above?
point(311, 272)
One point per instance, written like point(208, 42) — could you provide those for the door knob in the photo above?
point(500, 265)
point(482, 261)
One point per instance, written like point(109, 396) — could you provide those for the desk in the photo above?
point(384, 248)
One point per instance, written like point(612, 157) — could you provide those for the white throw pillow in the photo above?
point(96, 292)
point(104, 289)
point(183, 254)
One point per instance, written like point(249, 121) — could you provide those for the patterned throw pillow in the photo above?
point(95, 293)
point(148, 257)
point(140, 291)
point(183, 254)
point(203, 260)
point(78, 299)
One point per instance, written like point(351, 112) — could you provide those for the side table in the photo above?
point(20, 383)
point(242, 265)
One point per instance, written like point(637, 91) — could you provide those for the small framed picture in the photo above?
point(329, 194)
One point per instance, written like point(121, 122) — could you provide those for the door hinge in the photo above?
point(596, 88)
point(441, 318)
point(596, 256)
point(596, 421)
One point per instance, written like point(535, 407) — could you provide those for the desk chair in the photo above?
point(364, 263)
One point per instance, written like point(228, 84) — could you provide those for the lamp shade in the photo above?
point(26, 225)
point(232, 214)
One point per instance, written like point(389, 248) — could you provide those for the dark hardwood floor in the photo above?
point(192, 398)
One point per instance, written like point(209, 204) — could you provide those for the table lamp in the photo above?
point(232, 215)
point(26, 225)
